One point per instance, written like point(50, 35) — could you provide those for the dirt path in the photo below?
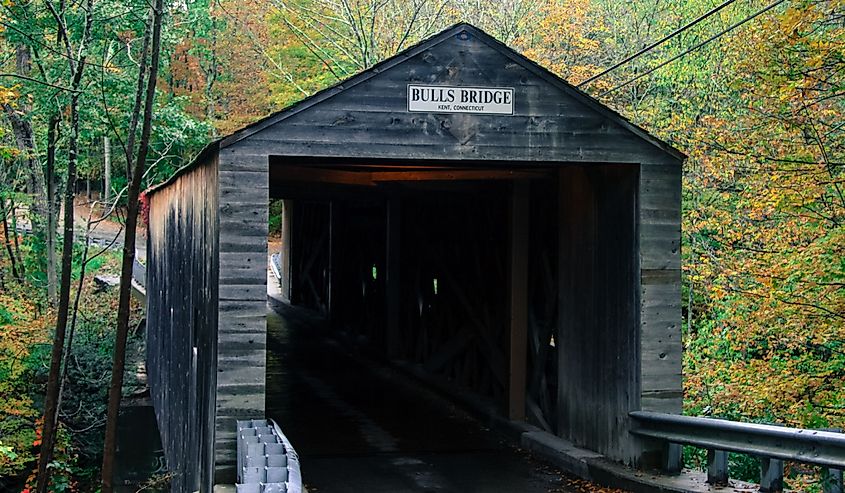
point(108, 231)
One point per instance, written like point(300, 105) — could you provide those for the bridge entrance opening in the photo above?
point(447, 274)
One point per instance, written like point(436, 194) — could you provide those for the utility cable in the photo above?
point(699, 45)
point(657, 43)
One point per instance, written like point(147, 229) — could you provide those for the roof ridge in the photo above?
point(430, 42)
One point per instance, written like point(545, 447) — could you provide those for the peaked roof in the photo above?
point(427, 44)
point(407, 54)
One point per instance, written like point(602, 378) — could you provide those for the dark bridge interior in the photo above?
point(415, 263)
point(360, 426)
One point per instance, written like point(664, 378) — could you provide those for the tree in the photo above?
point(76, 60)
point(352, 35)
point(132, 209)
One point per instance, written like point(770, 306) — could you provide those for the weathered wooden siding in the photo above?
point(598, 336)
point(182, 322)
point(660, 297)
point(368, 117)
point(242, 332)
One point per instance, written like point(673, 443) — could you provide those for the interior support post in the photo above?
point(295, 262)
point(393, 286)
point(332, 267)
point(518, 298)
point(287, 217)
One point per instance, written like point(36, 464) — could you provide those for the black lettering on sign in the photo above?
point(480, 100)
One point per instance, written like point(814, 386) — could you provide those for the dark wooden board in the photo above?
point(598, 341)
point(182, 304)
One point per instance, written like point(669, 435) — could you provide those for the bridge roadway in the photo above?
point(360, 427)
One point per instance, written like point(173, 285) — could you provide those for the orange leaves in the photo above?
point(20, 329)
point(38, 430)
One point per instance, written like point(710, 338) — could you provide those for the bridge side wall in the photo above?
point(182, 271)
point(242, 335)
point(618, 345)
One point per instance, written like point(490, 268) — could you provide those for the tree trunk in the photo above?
point(13, 213)
point(7, 240)
point(129, 149)
point(51, 412)
point(106, 170)
point(51, 400)
point(116, 385)
point(25, 141)
point(52, 137)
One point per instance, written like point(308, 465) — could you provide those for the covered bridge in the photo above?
point(457, 208)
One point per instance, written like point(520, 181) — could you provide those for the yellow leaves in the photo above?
point(718, 292)
point(9, 95)
point(566, 40)
point(792, 20)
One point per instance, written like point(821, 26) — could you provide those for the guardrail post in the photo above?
point(832, 480)
point(673, 459)
point(771, 475)
point(717, 467)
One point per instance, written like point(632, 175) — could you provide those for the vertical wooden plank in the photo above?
point(598, 332)
point(287, 228)
point(295, 262)
point(393, 283)
point(660, 308)
point(832, 480)
point(242, 325)
point(519, 233)
point(332, 267)
point(673, 458)
point(771, 475)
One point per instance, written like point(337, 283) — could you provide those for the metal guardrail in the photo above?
point(276, 265)
point(139, 281)
point(139, 273)
point(267, 462)
point(773, 444)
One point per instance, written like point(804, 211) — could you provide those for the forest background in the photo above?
point(759, 111)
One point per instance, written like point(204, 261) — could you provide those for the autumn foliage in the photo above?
point(758, 110)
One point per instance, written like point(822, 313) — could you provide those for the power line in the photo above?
point(699, 45)
point(657, 43)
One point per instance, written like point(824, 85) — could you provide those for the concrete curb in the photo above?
point(594, 467)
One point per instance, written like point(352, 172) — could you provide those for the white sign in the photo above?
point(450, 99)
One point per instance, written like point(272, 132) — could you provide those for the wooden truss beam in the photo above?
point(311, 174)
point(520, 215)
point(454, 175)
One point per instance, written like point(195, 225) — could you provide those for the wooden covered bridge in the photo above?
point(457, 208)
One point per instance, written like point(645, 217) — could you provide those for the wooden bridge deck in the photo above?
point(359, 427)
